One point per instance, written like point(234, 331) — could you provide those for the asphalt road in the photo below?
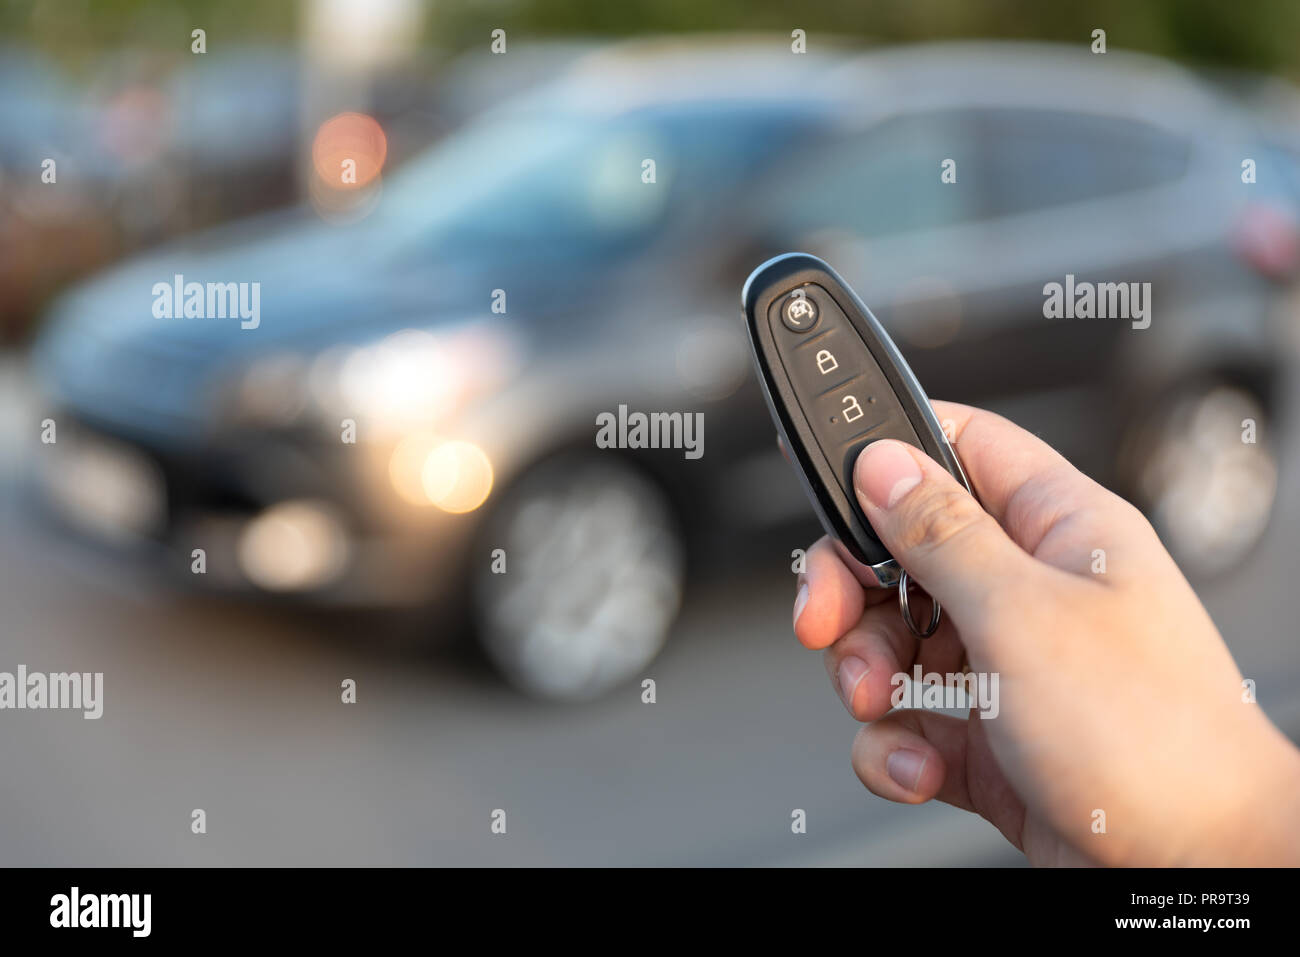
point(236, 711)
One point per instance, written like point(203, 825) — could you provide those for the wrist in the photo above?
point(1264, 829)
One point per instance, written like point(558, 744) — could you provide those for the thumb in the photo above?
point(936, 530)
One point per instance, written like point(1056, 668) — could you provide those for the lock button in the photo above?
point(826, 360)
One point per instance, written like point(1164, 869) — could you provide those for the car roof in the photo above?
point(644, 73)
point(864, 87)
point(1029, 76)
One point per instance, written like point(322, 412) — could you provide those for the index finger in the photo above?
point(831, 596)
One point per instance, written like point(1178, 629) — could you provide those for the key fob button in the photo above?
point(799, 312)
point(845, 414)
point(850, 420)
point(826, 361)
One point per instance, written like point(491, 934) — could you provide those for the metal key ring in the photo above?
point(903, 582)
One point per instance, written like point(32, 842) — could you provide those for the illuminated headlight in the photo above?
point(454, 475)
point(410, 379)
point(404, 380)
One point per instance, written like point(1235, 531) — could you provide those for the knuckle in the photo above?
point(938, 518)
point(1131, 516)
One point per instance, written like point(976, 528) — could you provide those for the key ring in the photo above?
point(903, 582)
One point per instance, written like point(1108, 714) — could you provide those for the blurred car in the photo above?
point(581, 249)
point(51, 228)
point(150, 150)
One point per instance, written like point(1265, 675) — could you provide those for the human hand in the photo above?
point(1116, 692)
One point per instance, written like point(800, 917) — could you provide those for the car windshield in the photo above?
point(568, 182)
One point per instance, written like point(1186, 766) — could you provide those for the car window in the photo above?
point(884, 181)
point(1277, 173)
point(887, 180)
point(522, 178)
point(1034, 159)
point(569, 181)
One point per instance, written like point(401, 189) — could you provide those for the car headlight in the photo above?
point(408, 380)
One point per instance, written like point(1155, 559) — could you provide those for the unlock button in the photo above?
point(845, 413)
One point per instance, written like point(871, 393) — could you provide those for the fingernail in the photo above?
point(851, 672)
point(800, 599)
point(905, 767)
point(885, 472)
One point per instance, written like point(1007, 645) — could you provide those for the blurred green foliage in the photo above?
point(1254, 34)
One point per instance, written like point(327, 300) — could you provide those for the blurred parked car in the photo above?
point(475, 474)
point(148, 152)
point(51, 227)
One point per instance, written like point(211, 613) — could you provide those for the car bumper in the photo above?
point(269, 521)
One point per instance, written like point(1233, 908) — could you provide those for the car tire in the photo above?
point(1190, 464)
point(582, 577)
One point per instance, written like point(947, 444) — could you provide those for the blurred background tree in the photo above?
point(1258, 35)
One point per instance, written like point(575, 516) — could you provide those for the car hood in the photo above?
point(105, 352)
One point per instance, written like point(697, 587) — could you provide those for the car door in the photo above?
point(950, 222)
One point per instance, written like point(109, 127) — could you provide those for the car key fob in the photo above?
point(835, 382)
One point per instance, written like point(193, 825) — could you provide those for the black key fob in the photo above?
point(835, 382)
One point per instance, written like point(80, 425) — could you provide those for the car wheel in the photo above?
point(1204, 476)
point(587, 580)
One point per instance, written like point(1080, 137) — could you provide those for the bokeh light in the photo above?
point(457, 476)
point(349, 150)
